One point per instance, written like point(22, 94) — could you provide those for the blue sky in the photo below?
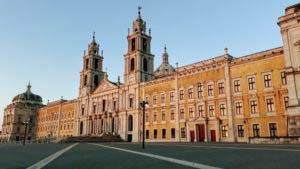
point(43, 41)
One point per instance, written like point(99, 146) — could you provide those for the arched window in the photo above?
point(130, 123)
point(96, 80)
point(85, 80)
point(145, 64)
point(132, 62)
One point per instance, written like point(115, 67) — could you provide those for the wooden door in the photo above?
point(192, 134)
point(201, 132)
point(213, 135)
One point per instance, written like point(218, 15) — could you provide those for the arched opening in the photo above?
point(81, 128)
point(145, 64)
point(130, 123)
point(96, 80)
point(132, 62)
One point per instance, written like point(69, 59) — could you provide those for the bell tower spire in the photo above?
point(138, 59)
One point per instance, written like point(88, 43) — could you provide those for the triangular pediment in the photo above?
point(105, 85)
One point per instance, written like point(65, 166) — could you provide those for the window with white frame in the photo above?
point(211, 110)
point(253, 106)
point(200, 90)
point(201, 111)
point(256, 130)
point(190, 93)
point(270, 104)
point(163, 116)
point(172, 114)
point(181, 94)
point(267, 80)
point(222, 109)
point(283, 78)
point(155, 116)
point(273, 129)
point(172, 95)
point(240, 130)
point(191, 112)
point(251, 83)
point(286, 101)
point(154, 100)
point(237, 85)
point(224, 131)
point(163, 98)
point(181, 113)
point(210, 90)
point(238, 107)
point(221, 88)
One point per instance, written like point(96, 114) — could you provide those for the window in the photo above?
point(172, 132)
point(144, 45)
point(240, 130)
point(133, 44)
point(155, 116)
point(253, 106)
point(191, 112)
point(283, 78)
point(200, 90)
point(256, 132)
point(147, 117)
point(182, 132)
point(130, 123)
point(96, 80)
point(222, 110)
point(238, 108)
point(94, 109)
point(224, 131)
point(155, 133)
point(273, 129)
point(181, 94)
point(172, 115)
point(201, 111)
point(267, 80)
point(115, 105)
point(132, 64)
point(85, 80)
point(270, 105)
point(96, 63)
point(86, 63)
point(163, 98)
point(171, 96)
point(154, 100)
point(190, 93)
point(251, 83)
point(210, 90)
point(286, 101)
point(82, 111)
point(211, 109)
point(147, 134)
point(237, 85)
point(103, 105)
point(221, 88)
point(163, 133)
point(181, 113)
point(145, 64)
point(163, 116)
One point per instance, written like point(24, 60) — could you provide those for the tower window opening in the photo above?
point(87, 63)
point(96, 64)
point(85, 80)
point(132, 62)
point(144, 45)
point(145, 64)
point(133, 44)
point(96, 80)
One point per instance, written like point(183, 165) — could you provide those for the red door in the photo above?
point(201, 132)
point(213, 135)
point(192, 134)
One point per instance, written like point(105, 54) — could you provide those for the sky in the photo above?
point(43, 41)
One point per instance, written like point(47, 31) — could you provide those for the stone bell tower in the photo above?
point(138, 59)
point(91, 73)
point(290, 31)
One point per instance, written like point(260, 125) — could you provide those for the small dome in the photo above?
point(165, 69)
point(28, 96)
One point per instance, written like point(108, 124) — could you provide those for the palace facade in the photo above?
point(225, 98)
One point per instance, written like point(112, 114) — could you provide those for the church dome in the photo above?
point(28, 96)
point(165, 69)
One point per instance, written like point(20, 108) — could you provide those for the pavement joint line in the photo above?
point(50, 158)
point(163, 158)
point(236, 148)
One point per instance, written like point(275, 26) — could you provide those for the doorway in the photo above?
point(213, 135)
point(192, 134)
point(200, 132)
point(129, 137)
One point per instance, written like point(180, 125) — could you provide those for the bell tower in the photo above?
point(91, 73)
point(138, 59)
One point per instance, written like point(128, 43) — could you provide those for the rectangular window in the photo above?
point(200, 90)
point(130, 102)
point(181, 94)
point(94, 109)
point(86, 63)
point(181, 113)
point(283, 78)
point(190, 93)
point(133, 44)
point(103, 105)
point(251, 83)
point(163, 133)
point(256, 132)
point(147, 134)
point(182, 132)
point(115, 105)
point(273, 129)
point(286, 101)
point(144, 45)
point(155, 116)
point(267, 80)
point(253, 106)
point(172, 132)
point(221, 88)
point(238, 107)
point(237, 85)
point(224, 131)
point(201, 111)
point(163, 98)
point(211, 109)
point(154, 100)
point(222, 110)
point(172, 115)
point(270, 105)
point(191, 112)
point(163, 116)
point(96, 63)
point(82, 111)
point(155, 133)
point(210, 90)
point(171, 96)
point(240, 130)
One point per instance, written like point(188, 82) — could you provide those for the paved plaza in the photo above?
point(156, 155)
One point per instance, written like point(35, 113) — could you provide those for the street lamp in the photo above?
point(26, 122)
point(144, 104)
